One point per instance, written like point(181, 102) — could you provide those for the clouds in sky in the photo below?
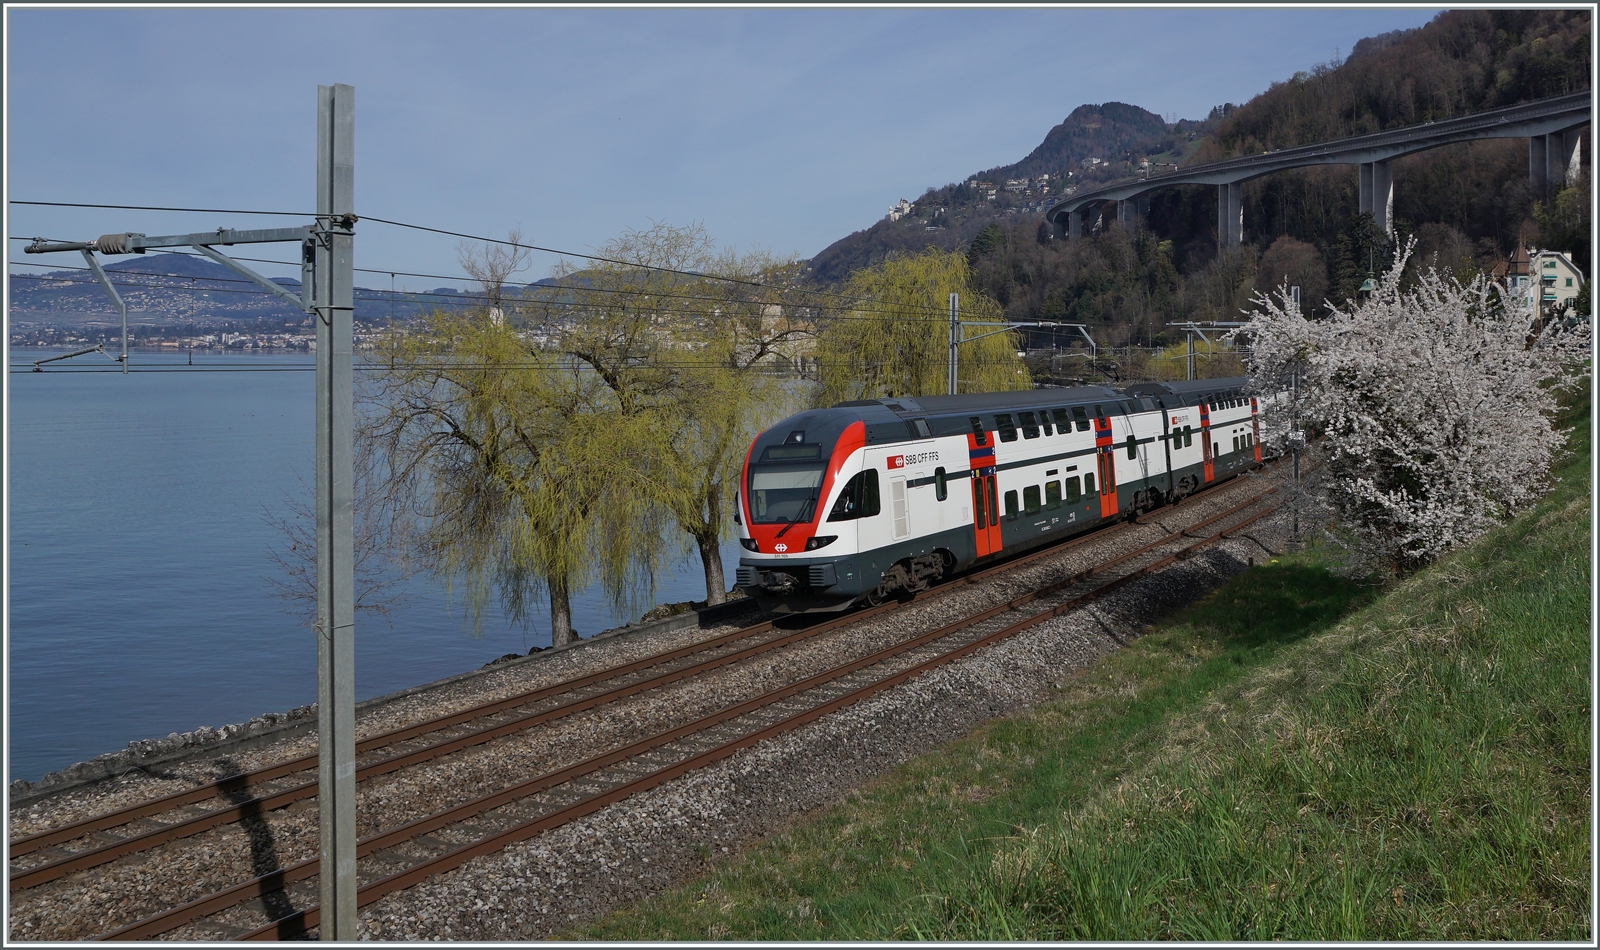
point(782, 129)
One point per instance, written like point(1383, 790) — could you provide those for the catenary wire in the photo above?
point(380, 366)
point(592, 257)
point(79, 204)
point(840, 311)
point(459, 234)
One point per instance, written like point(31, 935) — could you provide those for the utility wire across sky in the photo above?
point(458, 234)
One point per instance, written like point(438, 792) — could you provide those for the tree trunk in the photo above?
point(711, 557)
point(560, 613)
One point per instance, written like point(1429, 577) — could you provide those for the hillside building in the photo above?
point(1554, 277)
point(1545, 279)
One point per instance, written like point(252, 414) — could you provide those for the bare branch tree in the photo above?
point(492, 265)
point(381, 569)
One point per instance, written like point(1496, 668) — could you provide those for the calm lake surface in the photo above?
point(139, 594)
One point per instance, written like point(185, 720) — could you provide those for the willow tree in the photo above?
point(738, 357)
point(508, 468)
point(894, 339)
point(688, 340)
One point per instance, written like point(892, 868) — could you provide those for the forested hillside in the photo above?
point(1468, 206)
point(1464, 61)
point(1116, 133)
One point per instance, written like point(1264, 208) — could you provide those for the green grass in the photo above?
point(1298, 756)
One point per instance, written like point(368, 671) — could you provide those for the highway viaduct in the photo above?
point(1553, 128)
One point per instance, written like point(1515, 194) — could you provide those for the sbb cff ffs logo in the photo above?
point(901, 461)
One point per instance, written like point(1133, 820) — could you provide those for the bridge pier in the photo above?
point(1539, 166)
point(1571, 155)
point(1230, 214)
point(1075, 224)
point(1554, 161)
point(1377, 194)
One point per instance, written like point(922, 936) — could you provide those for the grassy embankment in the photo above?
point(1298, 757)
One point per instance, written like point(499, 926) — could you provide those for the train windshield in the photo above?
point(781, 492)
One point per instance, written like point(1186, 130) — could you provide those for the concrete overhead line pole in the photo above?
point(956, 339)
point(328, 294)
point(333, 267)
point(1191, 328)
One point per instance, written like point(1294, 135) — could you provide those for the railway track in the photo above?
point(399, 857)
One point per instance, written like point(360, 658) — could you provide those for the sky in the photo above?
point(776, 129)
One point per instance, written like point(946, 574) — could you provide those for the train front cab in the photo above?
point(790, 473)
point(847, 504)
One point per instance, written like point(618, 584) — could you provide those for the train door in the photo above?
point(1105, 463)
point(1169, 431)
point(985, 514)
point(1255, 429)
point(985, 493)
point(1205, 441)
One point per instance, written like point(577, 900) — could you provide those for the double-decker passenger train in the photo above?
point(875, 499)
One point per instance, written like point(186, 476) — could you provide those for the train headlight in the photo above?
point(749, 544)
point(821, 541)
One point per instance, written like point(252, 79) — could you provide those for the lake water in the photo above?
point(138, 565)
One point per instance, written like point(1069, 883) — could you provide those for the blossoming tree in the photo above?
point(1437, 404)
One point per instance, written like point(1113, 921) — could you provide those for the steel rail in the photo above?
point(297, 923)
point(235, 784)
point(282, 878)
point(104, 854)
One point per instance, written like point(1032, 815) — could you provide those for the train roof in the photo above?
point(1189, 387)
point(907, 418)
point(974, 402)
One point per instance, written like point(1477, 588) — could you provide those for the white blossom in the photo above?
point(1435, 403)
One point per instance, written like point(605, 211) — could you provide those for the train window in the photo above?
point(1074, 493)
point(994, 503)
point(1063, 421)
point(1188, 436)
point(859, 499)
point(977, 430)
point(1008, 430)
point(1133, 446)
point(978, 507)
point(1011, 505)
point(1236, 443)
point(1030, 427)
point(1081, 418)
point(781, 492)
point(941, 490)
point(920, 427)
point(1099, 413)
point(1030, 499)
point(736, 518)
point(1052, 494)
point(1044, 421)
point(1088, 483)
